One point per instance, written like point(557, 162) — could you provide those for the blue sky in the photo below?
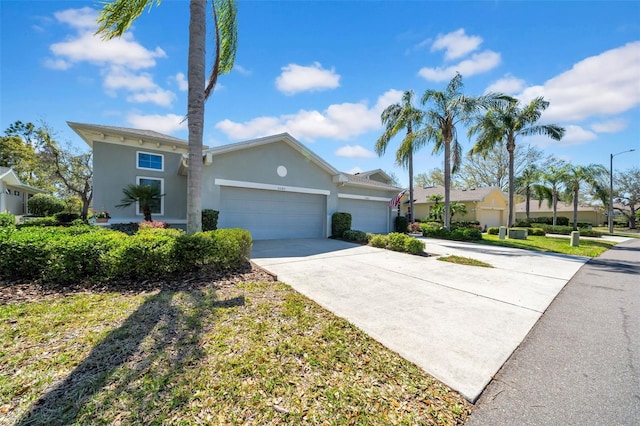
point(324, 71)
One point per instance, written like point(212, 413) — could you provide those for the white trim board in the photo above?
point(363, 197)
point(270, 187)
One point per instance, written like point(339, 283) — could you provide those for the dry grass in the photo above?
point(464, 261)
point(253, 353)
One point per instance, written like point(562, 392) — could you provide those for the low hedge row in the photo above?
point(60, 255)
point(457, 234)
point(397, 241)
point(536, 232)
point(567, 230)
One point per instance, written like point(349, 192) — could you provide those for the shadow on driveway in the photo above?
point(297, 248)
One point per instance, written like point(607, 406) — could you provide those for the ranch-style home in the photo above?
point(488, 205)
point(273, 186)
point(15, 194)
point(587, 214)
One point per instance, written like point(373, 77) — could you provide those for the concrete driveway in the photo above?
point(458, 323)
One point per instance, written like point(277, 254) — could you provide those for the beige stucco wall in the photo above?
point(595, 217)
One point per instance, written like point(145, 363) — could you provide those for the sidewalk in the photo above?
point(580, 364)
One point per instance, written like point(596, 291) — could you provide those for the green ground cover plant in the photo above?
point(460, 260)
point(243, 353)
point(589, 248)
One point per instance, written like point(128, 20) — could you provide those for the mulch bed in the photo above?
point(19, 291)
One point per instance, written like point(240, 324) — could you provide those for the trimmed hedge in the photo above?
point(493, 230)
point(567, 230)
point(59, 255)
point(397, 241)
point(457, 234)
point(340, 222)
point(7, 219)
point(401, 224)
point(45, 205)
point(210, 219)
point(357, 236)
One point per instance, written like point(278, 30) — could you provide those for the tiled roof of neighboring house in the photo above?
point(421, 195)
point(536, 207)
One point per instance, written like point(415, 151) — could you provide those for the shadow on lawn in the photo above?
point(155, 343)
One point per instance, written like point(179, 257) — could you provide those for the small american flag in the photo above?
point(396, 200)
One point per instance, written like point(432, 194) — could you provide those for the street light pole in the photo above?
point(610, 215)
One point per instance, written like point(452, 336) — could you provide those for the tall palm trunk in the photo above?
point(511, 146)
point(576, 189)
point(554, 201)
point(411, 215)
point(527, 192)
point(195, 112)
point(447, 183)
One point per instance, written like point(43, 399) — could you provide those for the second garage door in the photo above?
point(366, 215)
point(272, 214)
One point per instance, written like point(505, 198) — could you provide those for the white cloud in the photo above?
point(338, 121)
point(508, 84)
point(354, 151)
point(57, 64)
point(242, 70)
point(157, 96)
point(84, 18)
point(168, 123)
point(456, 44)
point(181, 80)
point(601, 85)
point(478, 63)
point(298, 78)
point(354, 170)
point(610, 126)
point(121, 78)
point(574, 135)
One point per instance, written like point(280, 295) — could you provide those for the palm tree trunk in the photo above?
point(411, 186)
point(554, 200)
point(527, 192)
point(447, 183)
point(195, 112)
point(512, 186)
point(575, 208)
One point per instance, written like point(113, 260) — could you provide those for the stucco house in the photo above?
point(273, 186)
point(487, 205)
point(591, 214)
point(15, 194)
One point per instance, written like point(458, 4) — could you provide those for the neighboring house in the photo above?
point(15, 194)
point(591, 214)
point(273, 186)
point(487, 205)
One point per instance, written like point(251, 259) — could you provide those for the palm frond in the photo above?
point(117, 16)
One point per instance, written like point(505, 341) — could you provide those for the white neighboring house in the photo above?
point(15, 194)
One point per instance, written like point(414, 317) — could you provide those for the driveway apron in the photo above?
point(458, 323)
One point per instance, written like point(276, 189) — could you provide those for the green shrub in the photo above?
point(194, 250)
point(473, 224)
point(413, 246)
point(210, 219)
point(63, 217)
point(45, 205)
point(433, 231)
point(145, 255)
point(457, 234)
point(128, 228)
point(523, 223)
point(567, 230)
point(401, 224)
point(584, 225)
point(396, 240)
point(340, 222)
point(537, 232)
point(548, 220)
point(7, 219)
point(494, 230)
point(232, 247)
point(379, 241)
point(38, 221)
point(354, 235)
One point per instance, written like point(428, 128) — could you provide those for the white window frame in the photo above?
point(161, 169)
point(138, 211)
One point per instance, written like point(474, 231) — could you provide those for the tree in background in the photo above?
point(447, 109)
point(627, 193)
point(118, 15)
point(146, 196)
point(402, 116)
point(553, 179)
point(575, 176)
point(433, 177)
point(525, 185)
point(505, 123)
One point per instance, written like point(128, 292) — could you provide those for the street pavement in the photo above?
point(458, 323)
point(580, 364)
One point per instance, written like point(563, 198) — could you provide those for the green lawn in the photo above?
point(257, 353)
point(589, 248)
point(464, 261)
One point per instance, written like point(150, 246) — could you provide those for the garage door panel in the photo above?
point(272, 214)
point(366, 215)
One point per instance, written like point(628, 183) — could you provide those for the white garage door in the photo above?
point(366, 215)
point(491, 218)
point(272, 214)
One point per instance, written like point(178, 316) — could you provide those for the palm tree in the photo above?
point(524, 185)
point(553, 178)
point(458, 207)
point(147, 197)
point(506, 122)
point(118, 15)
point(575, 176)
point(395, 118)
point(448, 109)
